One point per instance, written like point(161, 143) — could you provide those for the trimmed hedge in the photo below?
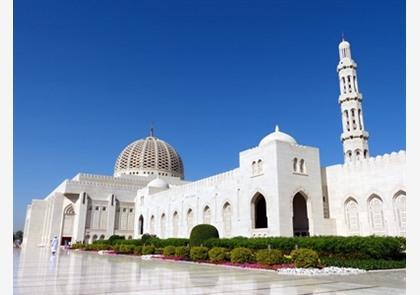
point(217, 254)
point(202, 232)
point(169, 251)
point(305, 258)
point(199, 253)
point(391, 248)
point(241, 255)
point(367, 264)
point(182, 251)
point(148, 249)
point(269, 256)
point(138, 250)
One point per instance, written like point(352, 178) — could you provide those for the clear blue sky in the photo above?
point(214, 76)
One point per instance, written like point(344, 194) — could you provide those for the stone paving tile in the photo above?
point(37, 272)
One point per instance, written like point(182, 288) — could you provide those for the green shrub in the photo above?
point(367, 264)
point(202, 232)
point(182, 251)
point(199, 253)
point(169, 251)
point(146, 237)
point(391, 248)
point(269, 256)
point(124, 249)
point(135, 242)
point(148, 249)
point(241, 255)
point(138, 250)
point(78, 246)
point(113, 238)
point(305, 258)
point(217, 254)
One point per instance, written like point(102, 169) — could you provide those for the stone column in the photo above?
point(112, 204)
point(79, 225)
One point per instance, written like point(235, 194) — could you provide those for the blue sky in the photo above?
point(214, 77)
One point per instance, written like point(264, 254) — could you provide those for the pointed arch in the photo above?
point(399, 200)
point(175, 224)
point(259, 211)
point(68, 224)
point(295, 165)
point(351, 207)
point(190, 220)
point(227, 219)
point(163, 225)
point(206, 215)
point(300, 215)
point(376, 214)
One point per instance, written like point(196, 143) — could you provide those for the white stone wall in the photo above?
point(382, 177)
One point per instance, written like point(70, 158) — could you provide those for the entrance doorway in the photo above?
point(300, 216)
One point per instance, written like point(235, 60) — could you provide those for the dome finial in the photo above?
point(276, 129)
point(342, 36)
point(152, 131)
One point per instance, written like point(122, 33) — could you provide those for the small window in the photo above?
point(97, 208)
point(103, 208)
point(131, 210)
point(124, 209)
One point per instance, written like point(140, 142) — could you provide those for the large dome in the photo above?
point(149, 156)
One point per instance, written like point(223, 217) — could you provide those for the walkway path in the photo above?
point(37, 272)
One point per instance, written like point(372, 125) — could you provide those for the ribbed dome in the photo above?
point(149, 156)
point(277, 136)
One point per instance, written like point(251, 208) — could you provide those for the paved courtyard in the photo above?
point(37, 272)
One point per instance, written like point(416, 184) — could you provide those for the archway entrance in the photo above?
point(260, 211)
point(68, 221)
point(141, 224)
point(300, 216)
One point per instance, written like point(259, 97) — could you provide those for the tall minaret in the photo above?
point(354, 136)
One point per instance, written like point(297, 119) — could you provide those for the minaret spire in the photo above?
point(354, 136)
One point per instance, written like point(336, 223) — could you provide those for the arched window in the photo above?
point(152, 225)
point(302, 168)
point(376, 215)
point(260, 166)
point(352, 216)
point(86, 241)
point(175, 224)
point(102, 237)
point(190, 220)
point(94, 238)
point(259, 211)
point(295, 164)
point(163, 226)
point(348, 156)
point(400, 211)
point(141, 225)
point(346, 113)
point(358, 153)
point(207, 215)
point(365, 154)
point(254, 168)
point(129, 237)
point(227, 219)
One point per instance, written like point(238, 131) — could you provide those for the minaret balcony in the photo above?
point(350, 96)
point(354, 134)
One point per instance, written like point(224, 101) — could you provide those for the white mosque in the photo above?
point(279, 189)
